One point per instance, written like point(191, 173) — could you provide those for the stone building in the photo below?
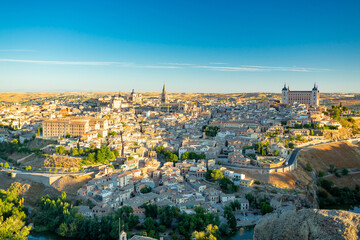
point(304, 97)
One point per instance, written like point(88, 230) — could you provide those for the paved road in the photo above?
point(293, 156)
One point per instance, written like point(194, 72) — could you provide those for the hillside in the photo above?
point(309, 224)
point(340, 154)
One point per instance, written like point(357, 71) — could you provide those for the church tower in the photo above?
point(284, 95)
point(163, 95)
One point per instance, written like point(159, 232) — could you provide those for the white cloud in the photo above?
point(122, 64)
point(247, 68)
point(243, 68)
point(179, 64)
point(61, 62)
point(17, 50)
point(155, 66)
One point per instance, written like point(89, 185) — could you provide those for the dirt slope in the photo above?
point(340, 154)
point(70, 184)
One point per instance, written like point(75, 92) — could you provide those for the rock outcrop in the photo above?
point(309, 224)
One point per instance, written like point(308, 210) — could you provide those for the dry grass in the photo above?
point(349, 180)
point(70, 184)
point(340, 154)
point(36, 191)
point(61, 162)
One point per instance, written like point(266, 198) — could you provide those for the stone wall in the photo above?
point(39, 178)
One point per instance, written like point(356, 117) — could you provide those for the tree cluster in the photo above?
point(262, 148)
point(193, 155)
point(102, 155)
point(8, 148)
point(210, 131)
point(59, 216)
point(227, 186)
point(340, 197)
point(146, 190)
point(211, 233)
point(166, 154)
point(213, 175)
point(12, 215)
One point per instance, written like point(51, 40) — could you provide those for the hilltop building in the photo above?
point(305, 97)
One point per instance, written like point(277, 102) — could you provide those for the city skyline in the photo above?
point(210, 48)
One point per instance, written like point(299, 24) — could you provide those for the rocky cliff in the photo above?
point(309, 224)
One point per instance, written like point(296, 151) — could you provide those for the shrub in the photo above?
point(321, 174)
point(266, 208)
point(308, 167)
point(332, 168)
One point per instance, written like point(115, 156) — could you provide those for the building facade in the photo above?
point(303, 97)
point(60, 127)
point(74, 126)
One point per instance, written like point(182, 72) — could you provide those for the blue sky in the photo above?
point(192, 46)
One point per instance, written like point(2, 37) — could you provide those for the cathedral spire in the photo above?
point(163, 95)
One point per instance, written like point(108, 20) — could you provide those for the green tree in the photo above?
point(12, 220)
point(266, 208)
point(276, 152)
point(211, 233)
point(227, 186)
point(321, 174)
point(202, 156)
point(185, 155)
point(113, 133)
point(63, 229)
point(250, 197)
point(149, 224)
point(100, 156)
point(116, 153)
point(60, 150)
point(75, 152)
point(216, 175)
